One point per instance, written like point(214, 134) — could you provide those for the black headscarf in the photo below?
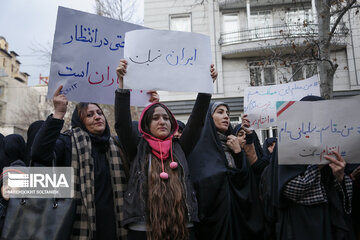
point(227, 197)
point(13, 148)
point(237, 128)
point(181, 125)
point(99, 141)
point(266, 144)
point(251, 138)
point(31, 133)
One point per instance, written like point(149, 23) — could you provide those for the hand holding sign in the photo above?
point(337, 166)
point(213, 72)
point(60, 104)
point(154, 96)
point(121, 71)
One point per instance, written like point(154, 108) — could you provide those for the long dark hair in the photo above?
point(167, 209)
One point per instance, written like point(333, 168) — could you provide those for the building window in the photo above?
point(262, 74)
point(231, 22)
point(267, 133)
point(4, 61)
point(298, 19)
point(180, 22)
point(261, 24)
point(260, 19)
point(231, 27)
point(298, 16)
point(301, 72)
point(2, 88)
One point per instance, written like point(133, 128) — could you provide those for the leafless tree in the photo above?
point(326, 32)
point(31, 109)
point(118, 9)
point(109, 8)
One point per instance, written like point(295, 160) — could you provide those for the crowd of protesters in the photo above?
point(162, 179)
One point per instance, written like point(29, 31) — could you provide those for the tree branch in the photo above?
point(343, 11)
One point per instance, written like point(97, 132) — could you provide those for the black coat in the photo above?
point(137, 148)
point(31, 134)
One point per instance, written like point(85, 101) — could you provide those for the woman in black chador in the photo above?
point(225, 185)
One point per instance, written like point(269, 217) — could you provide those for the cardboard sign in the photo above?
point(260, 102)
point(168, 60)
point(308, 131)
point(86, 51)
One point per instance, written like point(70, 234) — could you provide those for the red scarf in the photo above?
point(160, 148)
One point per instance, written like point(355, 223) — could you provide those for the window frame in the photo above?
point(181, 15)
point(254, 65)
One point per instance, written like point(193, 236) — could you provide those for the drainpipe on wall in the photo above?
point(353, 51)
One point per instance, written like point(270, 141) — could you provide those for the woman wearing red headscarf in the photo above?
point(160, 202)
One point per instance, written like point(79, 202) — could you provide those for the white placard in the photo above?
point(86, 51)
point(260, 102)
point(308, 131)
point(168, 60)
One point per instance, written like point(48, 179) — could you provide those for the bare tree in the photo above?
point(109, 8)
point(43, 51)
point(117, 9)
point(327, 67)
point(307, 43)
point(31, 109)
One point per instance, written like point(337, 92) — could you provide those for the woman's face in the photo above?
point(160, 125)
point(221, 118)
point(178, 133)
point(241, 135)
point(94, 120)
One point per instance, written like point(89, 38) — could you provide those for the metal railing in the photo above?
point(276, 31)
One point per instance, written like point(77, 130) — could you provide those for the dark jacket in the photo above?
point(138, 149)
point(31, 134)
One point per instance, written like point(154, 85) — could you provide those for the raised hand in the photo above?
point(60, 104)
point(121, 71)
point(154, 96)
point(213, 72)
point(337, 166)
point(245, 123)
